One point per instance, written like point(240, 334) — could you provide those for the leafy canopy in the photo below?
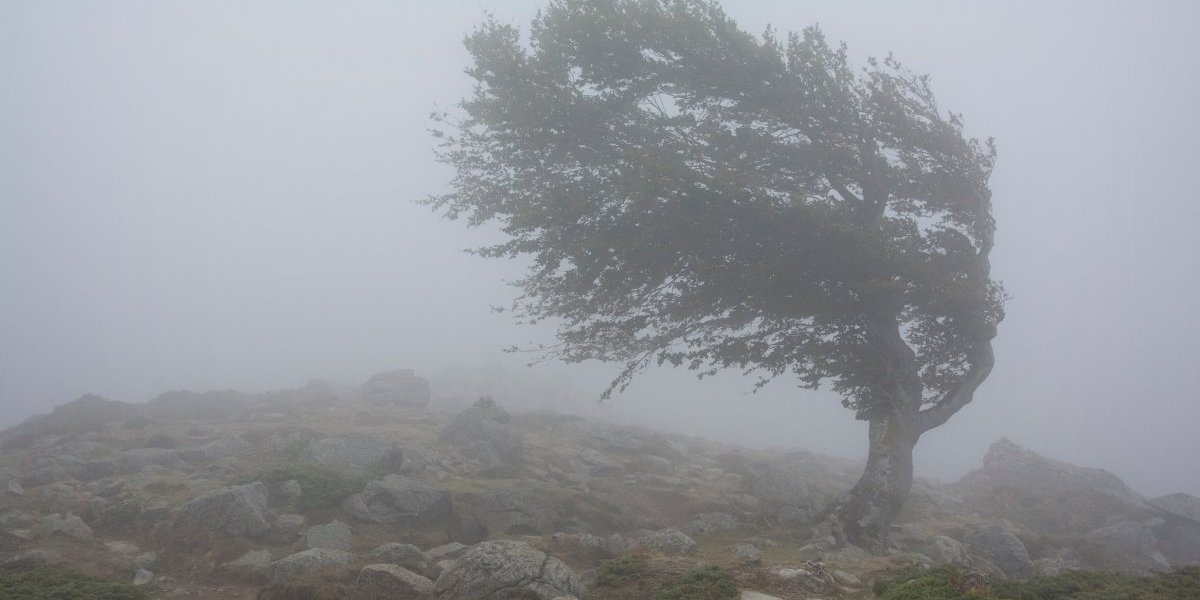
point(696, 195)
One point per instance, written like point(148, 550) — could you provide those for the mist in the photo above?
point(202, 196)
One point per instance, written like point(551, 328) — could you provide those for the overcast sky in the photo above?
point(219, 195)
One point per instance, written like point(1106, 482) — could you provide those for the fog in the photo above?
point(199, 195)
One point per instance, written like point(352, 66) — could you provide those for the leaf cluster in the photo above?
point(695, 195)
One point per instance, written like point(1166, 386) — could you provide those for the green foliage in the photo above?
point(702, 583)
point(52, 584)
point(941, 583)
point(320, 487)
point(1181, 584)
point(617, 571)
point(950, 583)
point(696, 195)
point(294, 447)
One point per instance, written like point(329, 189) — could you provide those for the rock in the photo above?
point(357, 453)
point(440, 567)
point(511, 512)
point(1132, 544)
point(711, 522)
point(400, 387)
point(746, 595)
point(406, 555)
point(147, 560)
point(333, 536)
point(845, 578)
point(313, 558)
point(795, 490)
point(142, 577)
point(507, 570)
point(68, 525)
point(803, 579)
point(447, 551)
point(289, 524)
point(138, 459)
point(1046, 495)
point(216, 450)
point(390, 581)
point(240, 510)
point(58, 497)
point(16, 520)
point(252, 567)
point(398, 499)
point(943, 550)
point(1185, 505)
point(481, 433)
point(747, 554)
point(1002, 549)
point(667, 541)
point(14, 488)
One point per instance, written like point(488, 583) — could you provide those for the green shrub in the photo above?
point(949, 583)
point(52, 584)
point(702, 583)
point(942, 583)
point(1181, 584)
point(617, 571)
point(320, 487)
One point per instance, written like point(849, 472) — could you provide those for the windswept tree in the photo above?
point(691, 194)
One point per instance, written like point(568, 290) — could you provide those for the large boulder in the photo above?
point(388, 582)
point(333, 536)
point(666, 541)
point(400, 500)
point(406, 555)
point(794, 490)
point(1131, 546)
point(944, 550)
point(507, 570)
point(512, 512)
point(1002, 549)
point(400, 387)
point(357, 453)
point(1048, 495)
point(240, 510)
point(308, 560)
point(482, 433)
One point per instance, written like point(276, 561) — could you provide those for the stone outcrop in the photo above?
point(507, 570)
point(482, 433)
point(1002, 549)
point(400, 500)
point(239, 510)
point(400, 387)
point(355, 453)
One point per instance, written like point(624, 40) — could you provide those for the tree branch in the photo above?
point(963, 393)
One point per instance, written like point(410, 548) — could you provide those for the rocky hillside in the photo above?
point(370, 492)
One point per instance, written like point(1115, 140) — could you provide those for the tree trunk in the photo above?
point(867, 514)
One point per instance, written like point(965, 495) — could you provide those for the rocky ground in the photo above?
point(369, 492)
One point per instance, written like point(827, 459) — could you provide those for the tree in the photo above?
point(694, 195)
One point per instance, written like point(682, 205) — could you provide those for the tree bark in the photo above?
point(868, 512)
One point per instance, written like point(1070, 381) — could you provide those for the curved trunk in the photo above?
point(875, 501)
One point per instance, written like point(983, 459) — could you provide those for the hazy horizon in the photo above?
point(218, 195)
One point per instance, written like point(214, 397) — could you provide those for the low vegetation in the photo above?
point(50, 584)
point(322, 487)
point(701, 583)
point(948, 583)
point(617, 571)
